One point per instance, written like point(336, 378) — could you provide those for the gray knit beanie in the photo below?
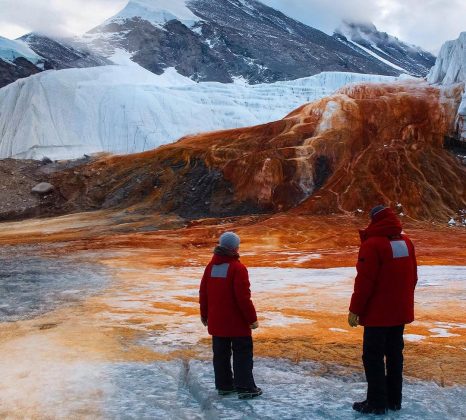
point(229, 240)
point(376, 210)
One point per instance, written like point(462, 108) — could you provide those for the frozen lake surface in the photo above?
point(61, 382)
point(184, 390)
point(31, 285)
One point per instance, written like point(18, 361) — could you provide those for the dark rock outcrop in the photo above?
point(63, 54)
point(18, 69)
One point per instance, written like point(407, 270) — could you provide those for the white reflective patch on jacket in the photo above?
point(220, 270)
point(399, 249)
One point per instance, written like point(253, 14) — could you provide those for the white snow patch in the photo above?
point(277, 319)
point(442, 333)
point(305, 258)
point(436, 275)
point(338, 330)
point(326, 121)
point(450, 325)
point(157, 12)
point(378, 57)
point(414, 337)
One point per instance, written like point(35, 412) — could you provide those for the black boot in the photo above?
point(244, 394)
point(394, 406)
point(365, 408)
point(226, 391)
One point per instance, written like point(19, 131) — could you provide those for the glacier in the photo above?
point(11, 50)
point(125, 109)
point(450, 68)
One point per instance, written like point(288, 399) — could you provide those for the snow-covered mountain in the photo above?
point(161, 49)
point(157, 12)
point(221, 40)
point(17, 60)
point(365, 38)
point(33, 53)
point(125, 109)
point(450, 68)
point(63, 53)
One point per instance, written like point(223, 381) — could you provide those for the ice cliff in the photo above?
point(125, 109)
point(450, 68)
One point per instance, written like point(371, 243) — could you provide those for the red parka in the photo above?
point(386, 274)
point(225, 298)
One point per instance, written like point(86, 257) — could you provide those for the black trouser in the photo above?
point(379, 342)
point(242, 362)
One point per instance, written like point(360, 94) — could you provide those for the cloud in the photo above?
point(326, 15)
point(54, 17)
point(427, 23)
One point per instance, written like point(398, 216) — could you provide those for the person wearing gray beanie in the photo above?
point(229, 240)
point(229, 313)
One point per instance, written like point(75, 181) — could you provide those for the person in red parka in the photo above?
point(228, 312)
point(383, 302)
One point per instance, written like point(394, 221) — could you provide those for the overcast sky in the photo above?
point(427, 23)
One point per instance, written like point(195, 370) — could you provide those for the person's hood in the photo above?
point(385, 223)
point(224, 255)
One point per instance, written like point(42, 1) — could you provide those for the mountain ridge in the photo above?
point(223, 41)
point(230, 39)
point(389, 49)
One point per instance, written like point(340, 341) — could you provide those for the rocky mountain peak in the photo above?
point(357, 30)
point(224, 40)
point(365, 37)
